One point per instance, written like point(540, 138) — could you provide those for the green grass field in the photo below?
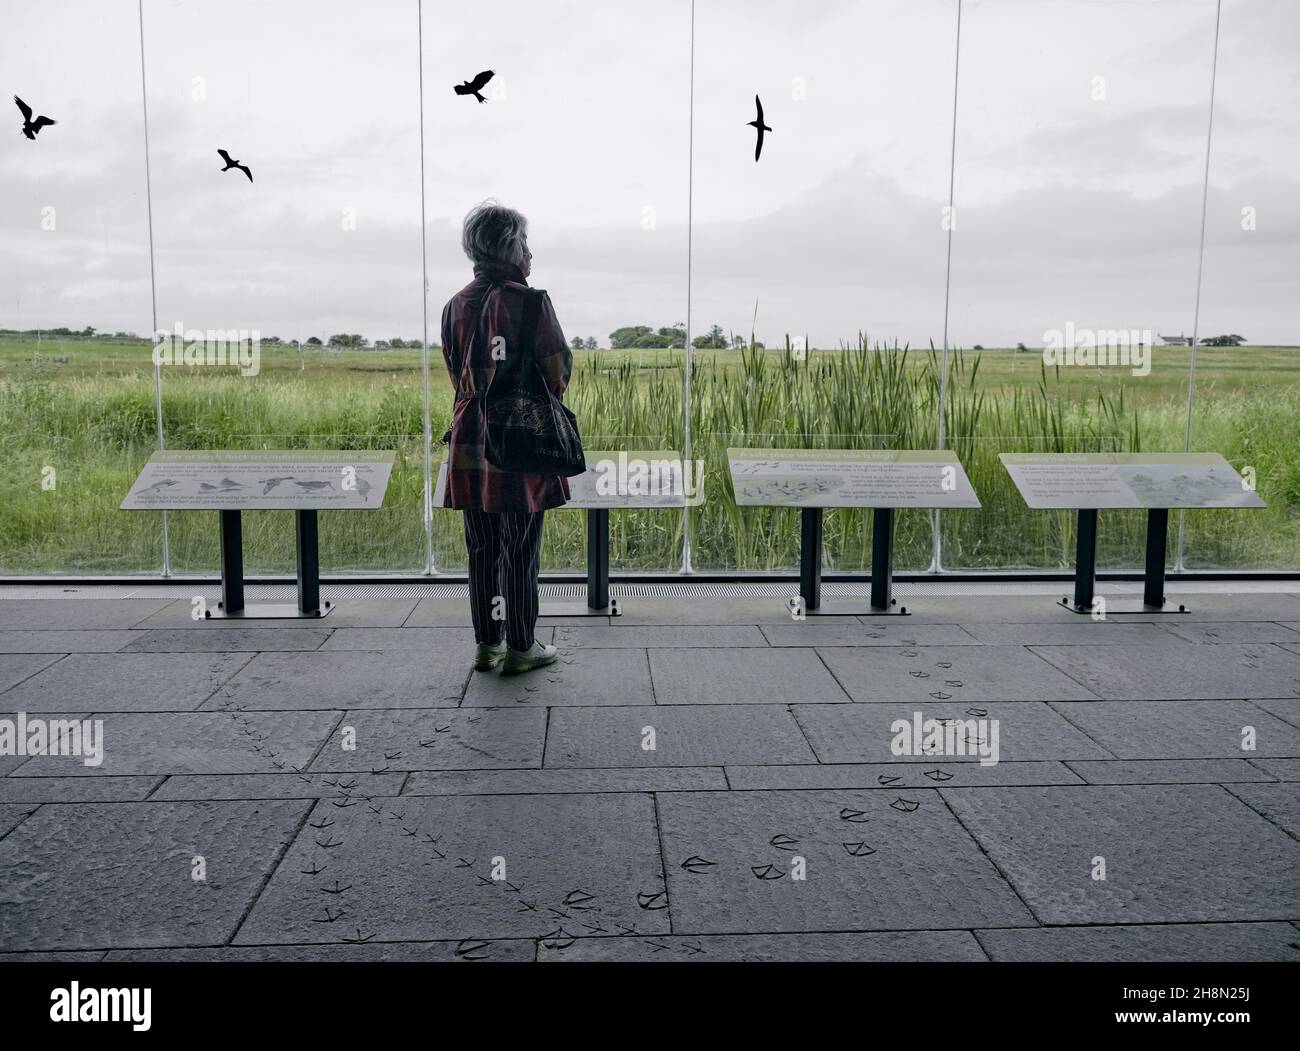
point(85, 408)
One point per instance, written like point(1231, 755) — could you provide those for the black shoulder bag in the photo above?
point(529, 429)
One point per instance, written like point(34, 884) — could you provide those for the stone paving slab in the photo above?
point(642, 610)
point(1157, 673)
point(1077, 631)
point(1218, 632)
point(874, 861)
point(1166, 771)
point(421, 869)
point(893, 777)
point(347, 613)
point(454, 613)
point(439, 613)
point(966, 673)
point(227, 639)
point(1181, 729)
point(436, 739)
point(77, 613)
point(116, 875)
point(983, 609)
point(1287, 709)
point(870, 947)
point(52, 957)
point(1226, 864)
point(590, 678)
point(15, 667)
point(1280, 804)
point(76, 789)
point(865, 631)
point(277, 786)
point(1225, 606)
point(12, 815)
point(864, 733)
point(543, 782)
point(1155, 943)
point(127, 682)
point(1028, 609)
point(516, 950)
point(348, 679)
point(196, 743)
point(743, 676)
point(57, 640)
point(459, 641)
point(568, 636)
point(684, 735)
point(1282, 769)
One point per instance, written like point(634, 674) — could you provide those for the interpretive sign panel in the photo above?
point(1137, 480)
point(849, 478)
point(625, 479)
point(222, 480)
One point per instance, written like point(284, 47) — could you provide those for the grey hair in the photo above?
point(494, 233)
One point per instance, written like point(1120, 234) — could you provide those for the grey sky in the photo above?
point(1068, 208)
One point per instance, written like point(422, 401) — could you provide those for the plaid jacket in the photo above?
point(472, 482)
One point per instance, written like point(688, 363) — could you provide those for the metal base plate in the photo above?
point(1126, 610)
point(852, 608)
point(579, 609)
point(269, 611)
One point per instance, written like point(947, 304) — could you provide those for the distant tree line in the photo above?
point(674, 336)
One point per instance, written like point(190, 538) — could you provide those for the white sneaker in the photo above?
point(488, 656)
point(536, 656)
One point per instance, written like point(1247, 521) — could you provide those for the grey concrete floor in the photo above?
point(695, 780)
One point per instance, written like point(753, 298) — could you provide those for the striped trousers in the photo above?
point(504, 559)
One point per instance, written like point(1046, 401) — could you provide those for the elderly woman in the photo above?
point(503, 509)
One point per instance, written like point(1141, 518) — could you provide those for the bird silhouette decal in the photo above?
point(471, 87)
point(271, 483)
point(232, 163)
point(758, 123)
point(31, 127)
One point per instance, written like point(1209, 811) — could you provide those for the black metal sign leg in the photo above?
point(1153, 593)
point(1085, 559)
point(308, 564)
point(882, 557)
point(597, 558)
point(810, 556)
point(232, 563)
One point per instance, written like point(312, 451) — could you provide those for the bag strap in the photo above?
point(521, 355)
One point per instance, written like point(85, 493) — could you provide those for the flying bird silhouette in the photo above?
point(231, 163)
point(31, 127)
point(758, 147)
point(471, 87)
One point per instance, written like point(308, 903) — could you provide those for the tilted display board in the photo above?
point(1154, 482)
point(849, 478)
point(1140, 480)
point(624, 479)
point(261, 481)
point(231, 482)
point(884, 480)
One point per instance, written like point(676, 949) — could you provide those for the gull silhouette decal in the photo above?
point(760, 126)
